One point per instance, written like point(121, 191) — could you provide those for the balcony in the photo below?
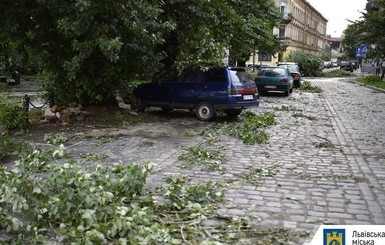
point(285, 41)
point(286, 18)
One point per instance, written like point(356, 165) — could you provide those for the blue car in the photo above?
point(230, 89)
point(274, 79)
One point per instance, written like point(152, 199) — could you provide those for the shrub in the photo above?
point(309, 64)
point(12, 115)
point(5, 146)
point(2, 86)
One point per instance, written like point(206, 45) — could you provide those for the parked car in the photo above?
point(295, 73)
point(346, 66)
point(230, 89)
point(286, 63)
point(354, 64)
point(328, 64)
point(252, 68)
point(334, 63)
point(275, 78)
point(8, 81)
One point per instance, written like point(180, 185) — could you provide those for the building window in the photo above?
point(281, 31)
point(264, 57)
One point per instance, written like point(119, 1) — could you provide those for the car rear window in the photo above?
point(239, 76)
point(272, 72)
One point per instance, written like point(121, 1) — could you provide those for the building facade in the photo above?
point(301, 29)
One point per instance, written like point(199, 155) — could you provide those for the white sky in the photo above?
point(337, 12)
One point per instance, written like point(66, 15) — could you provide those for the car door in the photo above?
point(189, 88)
point(159, 91)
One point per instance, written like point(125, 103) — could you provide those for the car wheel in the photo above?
point(205, 111)
point(137, 104)
point(233, 112)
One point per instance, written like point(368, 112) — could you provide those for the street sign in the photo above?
point(362, 50)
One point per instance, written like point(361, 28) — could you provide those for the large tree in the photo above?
point(205, 29)
point(89, 49)
point(369, 30)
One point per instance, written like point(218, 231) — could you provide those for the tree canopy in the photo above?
point(90, 49)
point(368, 31)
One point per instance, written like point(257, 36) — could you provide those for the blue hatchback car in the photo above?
point(274, 79)
point(230, 89)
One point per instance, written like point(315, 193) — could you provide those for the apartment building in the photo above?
point(301, 29)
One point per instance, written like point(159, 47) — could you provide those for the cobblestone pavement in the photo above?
point(328, 150)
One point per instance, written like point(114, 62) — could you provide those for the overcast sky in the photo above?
point(337, 11)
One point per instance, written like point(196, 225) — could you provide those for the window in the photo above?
point(216, 75)
point(191, 76)
point(239, 76)
point(169, 76)
point(272, 72)
point(264, 57)
point(281, 31)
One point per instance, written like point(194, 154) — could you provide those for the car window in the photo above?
point(293, 68)
point(272, 72)
point(169, 76)
point(239, 76)
point(191, 76)
point(216, 75)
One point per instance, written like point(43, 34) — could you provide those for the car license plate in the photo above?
point(270, 86)
point(248, 97)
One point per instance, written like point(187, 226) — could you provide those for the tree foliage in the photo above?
point(352, 38)
point(89, 49)
point(309, 63)
point(368, 30)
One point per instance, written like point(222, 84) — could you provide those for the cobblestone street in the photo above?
point(328, 150)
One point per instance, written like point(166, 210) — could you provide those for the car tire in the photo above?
point(205, 111)
point(233, 112)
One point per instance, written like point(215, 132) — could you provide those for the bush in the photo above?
point(309, 64)
point(2, 86)
point(12, 115)
point(5, 146)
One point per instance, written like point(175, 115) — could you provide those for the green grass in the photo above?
point(373, 81)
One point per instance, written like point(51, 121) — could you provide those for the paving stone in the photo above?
point(343, 184)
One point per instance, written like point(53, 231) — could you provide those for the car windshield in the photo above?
point(272, 72)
